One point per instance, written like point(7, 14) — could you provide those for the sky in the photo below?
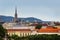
point(47, 10)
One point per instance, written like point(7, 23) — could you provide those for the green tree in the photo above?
point(3, 32)
point(38, 26)
point(14, 37)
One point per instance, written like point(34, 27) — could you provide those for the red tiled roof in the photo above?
point(48, 29)
point(18, 30)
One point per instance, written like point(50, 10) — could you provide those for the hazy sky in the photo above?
point(43, 9)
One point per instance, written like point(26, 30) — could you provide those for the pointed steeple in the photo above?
point(16, 18)
point(16, 12)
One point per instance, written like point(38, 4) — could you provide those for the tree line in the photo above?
point(36, 37)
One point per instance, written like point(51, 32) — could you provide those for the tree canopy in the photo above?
point(38, 26)
point(3, 31)
point(37, 37)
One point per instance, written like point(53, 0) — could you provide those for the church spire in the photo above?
point(16, 12)
point(15, 18)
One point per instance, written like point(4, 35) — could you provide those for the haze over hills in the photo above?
point(28, 19)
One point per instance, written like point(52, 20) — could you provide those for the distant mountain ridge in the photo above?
point(28, 19)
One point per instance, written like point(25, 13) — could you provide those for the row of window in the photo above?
point(20, 34)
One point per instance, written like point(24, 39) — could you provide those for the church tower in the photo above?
point(16, 18)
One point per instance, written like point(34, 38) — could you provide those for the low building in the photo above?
point(20, 30)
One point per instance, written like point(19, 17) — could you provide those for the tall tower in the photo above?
point(16, 18)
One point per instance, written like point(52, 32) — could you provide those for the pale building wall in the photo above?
point(57, 26)
point(14, 26)
point(19, 33)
